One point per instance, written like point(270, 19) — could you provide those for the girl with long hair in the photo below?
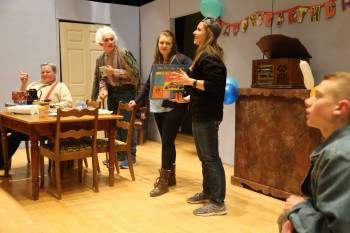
point(207, 80)
point(168, 114)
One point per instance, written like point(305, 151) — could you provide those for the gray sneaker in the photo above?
point(198, 198)
point(210, 209)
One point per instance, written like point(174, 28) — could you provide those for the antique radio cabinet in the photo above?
point(272, 140)
point(281, 68)
point(277, 73)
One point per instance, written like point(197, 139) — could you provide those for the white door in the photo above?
point(78, 57)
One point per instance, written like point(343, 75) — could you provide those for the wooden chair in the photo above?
point(124, 124)
point(141, 125)
point(27, 150)
point(95, 104)
point(99, 104)
point(72, 144)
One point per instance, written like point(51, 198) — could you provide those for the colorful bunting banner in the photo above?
point(295, 14)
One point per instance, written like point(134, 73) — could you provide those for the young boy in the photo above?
point(326, 188)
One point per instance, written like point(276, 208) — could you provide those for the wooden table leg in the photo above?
point(4, 143)
point(34, 148)
point(112, 157)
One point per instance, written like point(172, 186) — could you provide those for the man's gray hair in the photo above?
point(102, 32)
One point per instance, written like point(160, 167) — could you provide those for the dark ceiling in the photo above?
point(125, 2)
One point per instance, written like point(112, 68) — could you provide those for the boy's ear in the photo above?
point(343, 108)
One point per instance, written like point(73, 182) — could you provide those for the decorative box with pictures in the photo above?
point(162, 86)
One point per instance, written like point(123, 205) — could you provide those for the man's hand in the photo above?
point(132, 104)
point(109, 71)
point(23, 77)
point(292, 201)
point(287, 227)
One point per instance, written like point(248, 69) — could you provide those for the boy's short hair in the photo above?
point(342, 91)
point(343, 84)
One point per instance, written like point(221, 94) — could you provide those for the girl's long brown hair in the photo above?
point(158, 57)
point(209, 45)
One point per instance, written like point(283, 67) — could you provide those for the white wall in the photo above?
point(83, 11)
point(28, 38)
point(179, 8)
point(125, 20)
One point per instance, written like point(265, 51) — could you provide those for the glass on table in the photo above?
point(80, 104)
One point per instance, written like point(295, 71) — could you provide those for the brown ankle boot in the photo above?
point(161, 185)
point(172, 178)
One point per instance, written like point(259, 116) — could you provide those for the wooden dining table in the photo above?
point(44, 125)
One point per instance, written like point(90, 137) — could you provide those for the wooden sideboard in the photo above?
point(272, 140)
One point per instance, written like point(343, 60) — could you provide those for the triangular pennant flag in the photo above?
point(315, 13)
point(227, 30)
point(244, 24)
point(301, 12)
point(235, 28)
point(280, 19)
point(260, 18)
point(292, 15)
point(330, 9)
point(268, 19)
point(252, 19)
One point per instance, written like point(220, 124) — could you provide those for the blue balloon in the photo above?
point(231, 92)
point(231, 80)
point(211, 8)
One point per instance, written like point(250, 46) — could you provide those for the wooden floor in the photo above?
point(127, 207)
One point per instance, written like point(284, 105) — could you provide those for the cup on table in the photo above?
point(44, 107)
point(80, 104)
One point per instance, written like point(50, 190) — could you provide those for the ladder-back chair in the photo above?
point(127, 123)
point(72, 142)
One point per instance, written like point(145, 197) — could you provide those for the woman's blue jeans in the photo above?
point(206, 139)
